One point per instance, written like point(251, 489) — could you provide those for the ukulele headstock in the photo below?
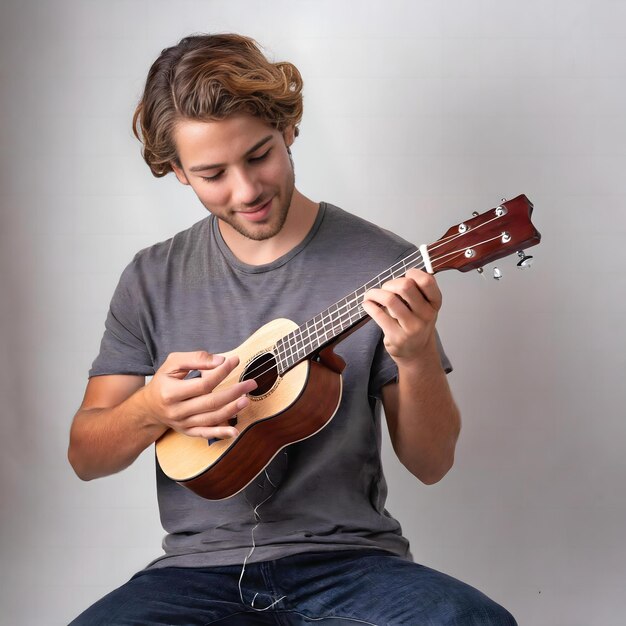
point(485, 237)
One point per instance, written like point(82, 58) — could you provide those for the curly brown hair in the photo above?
point(211, 77)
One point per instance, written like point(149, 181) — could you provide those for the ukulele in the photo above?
point(298, 374)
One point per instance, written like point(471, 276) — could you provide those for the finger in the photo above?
point(427, 284)
point(419, 291)
point(184, 398)
point(215, 417)
point(179, 364)
point(414, 287)
point(215, 401)
point(200, 387)
point(409, 302)
point(217, 374)
point(212, 432)
point(395, 305)
point(210, 379)
point(388, 324)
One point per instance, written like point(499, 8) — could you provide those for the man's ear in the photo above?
point(180, 174)
point(289, 135)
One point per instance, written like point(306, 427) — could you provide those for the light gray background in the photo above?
point(416, 114)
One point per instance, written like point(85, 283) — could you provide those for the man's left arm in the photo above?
point(423, 419)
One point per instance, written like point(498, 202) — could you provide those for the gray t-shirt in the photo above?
point(191, 293)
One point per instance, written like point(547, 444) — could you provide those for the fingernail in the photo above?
point(217, 358)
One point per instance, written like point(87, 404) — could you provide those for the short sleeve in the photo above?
point(124, 349)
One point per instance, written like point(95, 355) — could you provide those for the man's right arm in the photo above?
point(121, 416)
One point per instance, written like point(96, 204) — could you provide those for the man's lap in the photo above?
point(329, 588)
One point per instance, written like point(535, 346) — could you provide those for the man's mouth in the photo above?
point(258, 213)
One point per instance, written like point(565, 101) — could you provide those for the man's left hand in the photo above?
point(406, 310)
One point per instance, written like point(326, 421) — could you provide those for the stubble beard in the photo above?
point(259, 234)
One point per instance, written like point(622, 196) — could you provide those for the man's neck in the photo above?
point(300, 219)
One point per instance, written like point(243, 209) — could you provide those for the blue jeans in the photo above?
point(329, 588)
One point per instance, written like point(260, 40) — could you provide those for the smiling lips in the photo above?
point(257, 214)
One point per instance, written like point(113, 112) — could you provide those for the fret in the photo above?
point(323, 328)
point(291, 346)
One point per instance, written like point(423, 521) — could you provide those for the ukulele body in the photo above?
point(283, 410)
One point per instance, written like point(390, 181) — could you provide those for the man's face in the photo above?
point(240, 170)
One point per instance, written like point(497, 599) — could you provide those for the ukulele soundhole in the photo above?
point(264, 370)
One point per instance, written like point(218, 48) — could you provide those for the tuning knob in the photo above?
point(481, 271)
point(497, 274)
point(525, 261)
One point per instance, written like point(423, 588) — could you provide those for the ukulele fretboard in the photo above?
point(310, 337)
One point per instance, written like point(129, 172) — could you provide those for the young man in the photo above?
point(310, 539)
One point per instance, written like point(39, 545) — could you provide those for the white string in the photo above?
point(257, 517)
point(300, 348)
point(336, 317)
point(349, 305)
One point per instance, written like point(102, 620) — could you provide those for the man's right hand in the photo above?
point(121, 415)
point(190, 405)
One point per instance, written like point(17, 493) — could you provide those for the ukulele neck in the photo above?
point(328, 326)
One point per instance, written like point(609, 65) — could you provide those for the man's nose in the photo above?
point(247, 188)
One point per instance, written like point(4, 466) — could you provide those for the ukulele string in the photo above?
point(338, 322)
point(462, 251)
point(343, 315)
point(458, 235)
point(330, 318)
point(445, 240)
point(334, 320)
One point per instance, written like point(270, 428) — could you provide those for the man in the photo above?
point(310, 539)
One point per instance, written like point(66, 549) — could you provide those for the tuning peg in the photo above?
point(497, 274)
point(475, 213)
point(481, 271)
point(525, 261)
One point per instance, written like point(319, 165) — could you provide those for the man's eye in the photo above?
point(261, 156)
point(212, 178)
